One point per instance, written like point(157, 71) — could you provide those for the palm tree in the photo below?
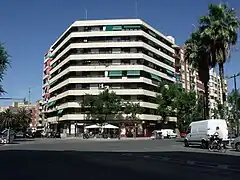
point(4, 62)
point(23, 118)
point(7, 119)
point(220, 30)
point(197, 53)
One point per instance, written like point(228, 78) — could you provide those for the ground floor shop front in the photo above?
point(125, 128)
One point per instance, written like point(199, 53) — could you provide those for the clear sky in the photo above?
point(29, 27)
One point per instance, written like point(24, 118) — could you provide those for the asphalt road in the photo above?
point(65, 159)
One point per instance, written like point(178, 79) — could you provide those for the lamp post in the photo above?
point(234, 76)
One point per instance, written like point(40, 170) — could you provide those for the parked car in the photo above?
point(156, 134)
point(7, 136)
point(168, 133)
point(236, 144)
point(183, 134)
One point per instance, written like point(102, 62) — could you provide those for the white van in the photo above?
point(199, 132)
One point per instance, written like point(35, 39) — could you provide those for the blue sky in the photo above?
point(29, 27)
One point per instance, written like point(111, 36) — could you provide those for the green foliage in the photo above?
point(132, 109)
point(219, 29)
point(103, 105)
point(174, 101)
point(4, 63)
point(166, 99)
point(19, 120)
point(218, 112)
point(197, 53)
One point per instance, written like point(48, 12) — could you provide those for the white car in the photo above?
point(168, 133)
point(163, 133)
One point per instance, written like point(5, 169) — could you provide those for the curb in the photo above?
point(188, 162)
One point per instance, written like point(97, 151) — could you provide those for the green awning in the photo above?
point(113, 28)
point(178, 78)
point(60, 111)
point(156, 77)
point(51, 103)
point(114, 73)
point(133, 73)
point(54, 65)
point(50, 56)
point(132, 27)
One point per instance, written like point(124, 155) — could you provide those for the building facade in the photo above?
point(215, 91)
point(188, 78)
point(127, 56)
point(186, 75)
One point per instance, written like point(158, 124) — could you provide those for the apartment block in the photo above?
point(188, 78)
point(127, 56)
point(215, 91)
point(186, 75)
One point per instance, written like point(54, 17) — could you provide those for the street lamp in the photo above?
point(235, 98)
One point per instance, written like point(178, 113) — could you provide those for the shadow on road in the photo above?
point(24, 164)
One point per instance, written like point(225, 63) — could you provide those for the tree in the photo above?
point(103, 105)
point(88, 104)
point(7, 119)
point(220, 28)
point(107, 103)
point(4, 63)
point(175, 101)
point(132, 109)
point(197, 54)
point(166, 98)
point(233, 108)
point(22, 119)
point(219, 111)
point(186, 105)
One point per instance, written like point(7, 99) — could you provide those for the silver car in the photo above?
point(236, 144)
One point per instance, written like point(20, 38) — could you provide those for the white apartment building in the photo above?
point(215, 91)
point(127, 56)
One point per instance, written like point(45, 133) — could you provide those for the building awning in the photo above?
point(156, 77)
point(113, 28)
point(132, 27)
point(114, 73)
point(133, 73)
point(51, 103)
point(54, 65)
point(60, 111)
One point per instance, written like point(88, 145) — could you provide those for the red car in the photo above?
point(183, 134)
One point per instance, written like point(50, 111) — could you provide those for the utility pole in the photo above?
point(236, 118)
point(136, 9)
point(29, 96)
point(86, 14)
